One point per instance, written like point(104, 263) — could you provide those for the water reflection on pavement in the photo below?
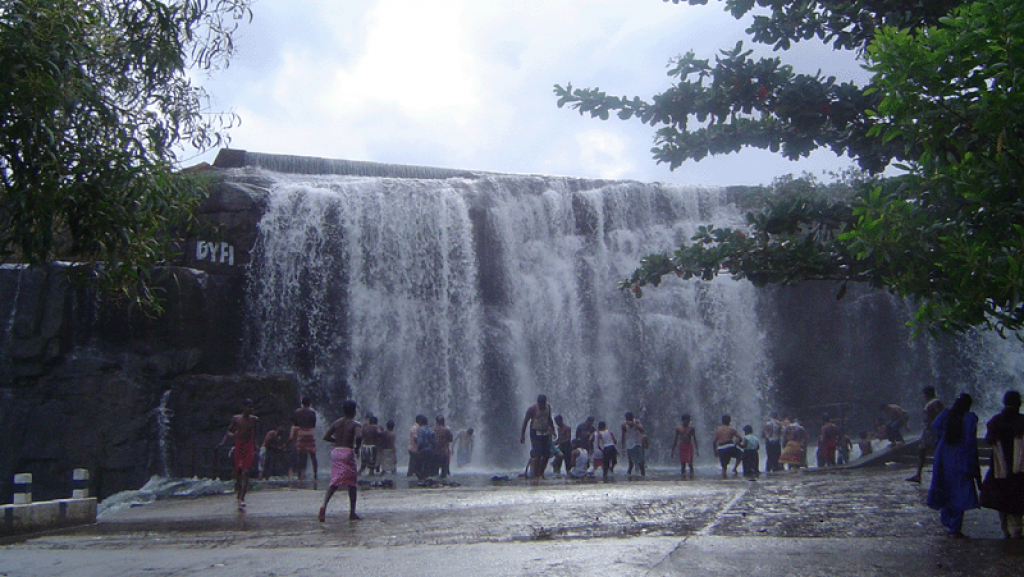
point(642, 527)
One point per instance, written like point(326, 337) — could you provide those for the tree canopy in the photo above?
point(739, 101)
point(96, 99)
point(944, 103)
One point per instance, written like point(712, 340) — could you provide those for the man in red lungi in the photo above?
point(303, 423)
point(243, 429)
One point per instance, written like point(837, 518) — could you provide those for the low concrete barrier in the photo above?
point(24, 516)
point(19, 519)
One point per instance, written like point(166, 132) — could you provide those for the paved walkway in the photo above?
point(838, 524)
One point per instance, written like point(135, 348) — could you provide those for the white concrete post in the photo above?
point(80, 484)
point(22, 488)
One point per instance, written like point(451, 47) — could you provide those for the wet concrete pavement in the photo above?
point(840, 523)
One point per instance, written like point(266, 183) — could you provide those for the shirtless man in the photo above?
point(686, 438)
point(243, 429)
point(727, 443)
point(932, 407)
point(632, 431)
point(828, 442)
point(443, 438)
point(585, 432)
point(542, 426)
point(564, 443)
point(303, 423)
point(896, 418)
point(346, 434)
point(369, 454)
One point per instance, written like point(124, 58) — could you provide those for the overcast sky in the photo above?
point(468, 84)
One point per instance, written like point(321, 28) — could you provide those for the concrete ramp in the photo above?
point(905, 454)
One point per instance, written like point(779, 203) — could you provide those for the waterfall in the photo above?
point(468, 296)
point(163, 415)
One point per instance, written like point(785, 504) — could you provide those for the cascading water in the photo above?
point(466, 297)
point(163, 415)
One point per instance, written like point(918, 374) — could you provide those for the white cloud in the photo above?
point(604, 154)
point(468, 84)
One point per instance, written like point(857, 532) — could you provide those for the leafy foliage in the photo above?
point(95, 98)
point(957, 223)
point(950, 232)
point(795, 236)
point(739, 101)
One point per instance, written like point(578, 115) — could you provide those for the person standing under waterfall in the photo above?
point(686, 437)
point(463, 448)
point(443, 439)
point(563, 441)
point(751, 459)
point(605, 446)
point(932, 407)
point(772, 435)
point(955, 470)
point(828, 442)
point(243, 428)
point(346, 434)
point(632, 432)
point(388, 458)
point(369, 454)
point(542, 427)
point(585, 434)
point(727, 443)
point(303, 425)
point(414, 456)
point(794, 449)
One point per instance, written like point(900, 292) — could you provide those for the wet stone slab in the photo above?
point(847, 504)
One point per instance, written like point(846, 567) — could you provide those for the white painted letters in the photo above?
point(217, 252)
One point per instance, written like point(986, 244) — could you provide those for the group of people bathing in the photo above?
point(431, 448)
point(282, 447)
point(951, 433)
point(594, 448)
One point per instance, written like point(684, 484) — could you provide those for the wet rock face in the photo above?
point(82, 377)
point(105, 415)
point(231, 214)
point(49, 319)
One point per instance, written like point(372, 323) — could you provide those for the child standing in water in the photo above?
point(604, 445)
point(751, 457)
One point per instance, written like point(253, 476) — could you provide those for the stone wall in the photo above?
point(84, 379)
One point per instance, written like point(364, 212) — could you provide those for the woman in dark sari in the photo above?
point(955, 470)
point(1003, 489)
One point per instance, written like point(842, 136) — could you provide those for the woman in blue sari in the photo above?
point(956, 470)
